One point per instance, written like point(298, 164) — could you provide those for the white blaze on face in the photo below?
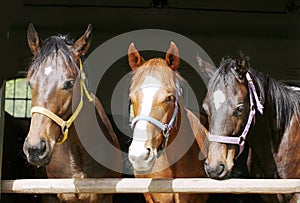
point(149, 88)
point(218, 98)
point(48, 70)
point(139, 155)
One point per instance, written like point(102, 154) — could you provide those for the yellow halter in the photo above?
point(66, 124)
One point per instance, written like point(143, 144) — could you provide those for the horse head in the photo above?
point(55, 79)
point(230, 106)
point(154, 93)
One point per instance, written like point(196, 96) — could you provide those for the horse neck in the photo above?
point(79, 158)
point(265, 140)
point(274, 131)
point(80, 163)
point(182, 137)
point(199, 132)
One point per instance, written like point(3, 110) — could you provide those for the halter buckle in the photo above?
point(166, 133)
point(65, 132)
point(241, 140)
point(64, 126)
point(166, 130)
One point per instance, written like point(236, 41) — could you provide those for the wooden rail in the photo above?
point(145, 185)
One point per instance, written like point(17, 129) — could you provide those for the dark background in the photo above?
point(268, 31)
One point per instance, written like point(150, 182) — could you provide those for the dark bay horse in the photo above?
point(164, 131)
point(59, 97)
point(247, 106)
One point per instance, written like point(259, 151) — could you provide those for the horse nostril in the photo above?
point(147, 154)
point(142, 155)
point(43, 145)
point(221, 168)
point(216, 171)
point(42, 148)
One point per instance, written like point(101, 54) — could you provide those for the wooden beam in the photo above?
point(146, 185)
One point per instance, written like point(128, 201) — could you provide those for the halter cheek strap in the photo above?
point(241, 139)
point(65, 125)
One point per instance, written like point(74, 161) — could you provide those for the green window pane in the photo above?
point(28, 108)
point(28, 92)
point(18, 97)
point(21, 88)
point(20, 108)
point(9, 106)
point(9, 90)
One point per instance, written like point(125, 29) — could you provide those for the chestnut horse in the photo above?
point(236, 95)
point(164, 131)
point(57, 80)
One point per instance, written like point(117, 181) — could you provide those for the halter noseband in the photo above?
point(165, 128)
point(241, 139)
point(65, 125)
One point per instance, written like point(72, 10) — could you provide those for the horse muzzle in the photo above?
point(38, 153)
point(141, 158)
point(218, 170)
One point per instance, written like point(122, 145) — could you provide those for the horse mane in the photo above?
point(151, 68)
point(284, 99)
point(51, 47)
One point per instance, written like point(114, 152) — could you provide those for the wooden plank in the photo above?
point(144, 185)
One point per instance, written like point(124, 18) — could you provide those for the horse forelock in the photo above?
point(54, 48)
point(223, 76)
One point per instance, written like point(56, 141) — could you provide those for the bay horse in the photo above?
point(166, 135)
point(247, 106)
point(58, 84)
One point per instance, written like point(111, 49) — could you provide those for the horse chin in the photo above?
point(218, 176)
point(143, 171)
point(39, 162)
point(144, 168)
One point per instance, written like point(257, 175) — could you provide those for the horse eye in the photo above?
point(239, 110)
point(69, 84)
point(168, 99)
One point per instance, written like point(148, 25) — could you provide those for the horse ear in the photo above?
point(33, 39)
point(172, 56)
point(242, 64)
point(81, 46)
point(134, 58)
